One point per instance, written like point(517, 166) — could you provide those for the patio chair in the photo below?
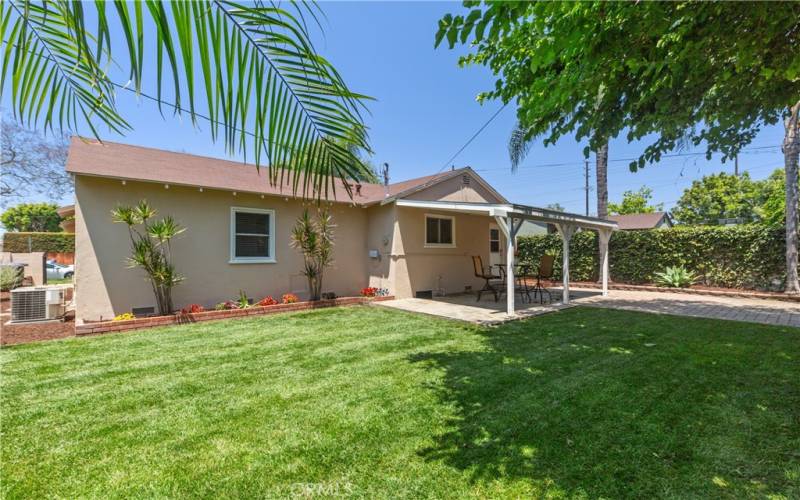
point(485, 274)
point(545, 272)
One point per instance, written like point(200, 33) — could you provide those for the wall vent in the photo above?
point(143, 312)
point(424, 294)
point(465, 179)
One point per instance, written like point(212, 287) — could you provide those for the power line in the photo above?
point(476, 134)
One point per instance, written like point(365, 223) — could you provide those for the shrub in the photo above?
point(675, 277)
point(220, 306)
point(11, 277)
point(289, 298)
point(39, 242)
point(242, 302)
point(124, 317)
point(267, 301)
point(745, 256)
point(151, 249)
point(192, 308)
point(32, 217)
point(314, 239)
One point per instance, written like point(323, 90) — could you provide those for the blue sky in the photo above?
point(425, 110)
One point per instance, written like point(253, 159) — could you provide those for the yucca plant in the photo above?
point(151, 249)
point(314, 239)
point(251, 70)
point(675, 277)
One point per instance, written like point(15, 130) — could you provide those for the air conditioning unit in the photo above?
point(37, 303)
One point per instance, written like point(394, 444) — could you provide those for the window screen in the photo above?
point(252, 234)
point(438, 231)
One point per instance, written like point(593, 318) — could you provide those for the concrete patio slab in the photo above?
point(464, 307)
point(487, 312)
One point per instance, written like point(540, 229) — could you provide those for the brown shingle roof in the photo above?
point(123, 161)
point(638, 221)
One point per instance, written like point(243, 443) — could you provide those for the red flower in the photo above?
point(290, 298)
point(369, 291)
point(193, 308)
point(267, 301)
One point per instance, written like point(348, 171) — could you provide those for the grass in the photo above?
point(369, 402)
point(59, 281)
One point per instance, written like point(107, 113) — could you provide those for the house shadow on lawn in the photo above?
point(601, 403)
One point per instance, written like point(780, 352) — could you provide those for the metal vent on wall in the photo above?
point(28, 305)
point(465, 179)
point(141, 312)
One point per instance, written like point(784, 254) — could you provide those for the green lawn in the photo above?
point(369, 402)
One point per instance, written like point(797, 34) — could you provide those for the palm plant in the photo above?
point(520, 142)
point(151, 249)
point(250, 70)
point(675, 277)
point(314, 239)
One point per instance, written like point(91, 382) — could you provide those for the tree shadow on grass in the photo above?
point(616, 404)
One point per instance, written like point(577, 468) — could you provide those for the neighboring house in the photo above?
point(409, 237)
point(67, 214)
point(654, 220)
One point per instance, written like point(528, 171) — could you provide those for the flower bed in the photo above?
point(89, 328)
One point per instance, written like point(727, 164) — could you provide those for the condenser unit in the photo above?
point(36, 303)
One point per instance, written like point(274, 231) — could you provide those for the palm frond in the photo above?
point(519, 144)
point(252, 70)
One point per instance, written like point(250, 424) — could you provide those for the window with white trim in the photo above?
point(440, 231)
point(252, 235)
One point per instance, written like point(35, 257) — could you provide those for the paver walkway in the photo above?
point(771, 312)
point(487, 311)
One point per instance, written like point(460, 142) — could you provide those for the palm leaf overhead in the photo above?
point(250, 70)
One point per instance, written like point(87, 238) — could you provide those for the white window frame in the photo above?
point(271, 237)
point(425, 231)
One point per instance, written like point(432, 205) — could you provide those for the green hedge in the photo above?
point(746, 256)
point(39, 242)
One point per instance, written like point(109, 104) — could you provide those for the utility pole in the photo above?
point(586, 185)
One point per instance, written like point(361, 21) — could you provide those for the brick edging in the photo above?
point(694, 291)
point(179, 318)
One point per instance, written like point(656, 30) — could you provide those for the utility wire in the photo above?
point(476, 134)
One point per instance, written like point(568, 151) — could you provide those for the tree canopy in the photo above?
point(32, 217)
point(681, 72)
point(32, 164)
point(719, 197)
point(635, 202)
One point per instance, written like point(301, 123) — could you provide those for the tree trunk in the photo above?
point(602, 181)
point(601, 174)
point(791, 156)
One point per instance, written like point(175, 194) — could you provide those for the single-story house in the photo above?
point(67, 214)
point(409, 237)
point(653, 220)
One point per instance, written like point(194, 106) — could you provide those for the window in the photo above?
point(494, 240)
point(440, 231)
point(252, 235)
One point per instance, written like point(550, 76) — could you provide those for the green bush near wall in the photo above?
point(39, 242)
point(746, 256)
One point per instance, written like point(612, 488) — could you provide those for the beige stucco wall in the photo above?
point(415, 267)
point(455, 190)
point(105, 286)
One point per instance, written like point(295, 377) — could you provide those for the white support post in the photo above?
point(566, 231)
point(509, 230)
point(603, 236)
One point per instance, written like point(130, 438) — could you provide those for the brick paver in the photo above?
point(772, 312)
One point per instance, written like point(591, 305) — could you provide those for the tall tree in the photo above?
point(720, 196)
point(635, 202)
point(32, 164)
point(251, 68)
point(672, 73)
point(32, 217)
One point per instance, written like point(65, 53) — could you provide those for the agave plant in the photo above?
point(151, 249)
point(675, 277)
point(314, 239)
point(250, 70)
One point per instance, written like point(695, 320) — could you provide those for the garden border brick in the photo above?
point(97, 327)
